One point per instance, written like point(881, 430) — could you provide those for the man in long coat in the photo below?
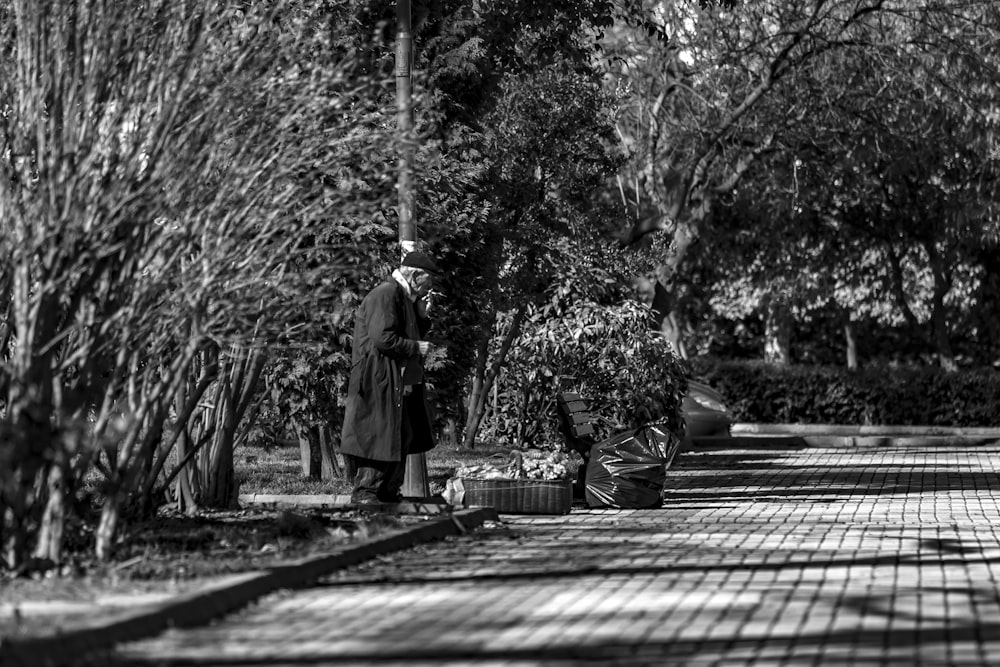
point(387, 418)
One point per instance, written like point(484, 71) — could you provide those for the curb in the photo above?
point(749, 429)
point(744, 442)
point(896, 440)
point(222, 597)
point(320, 501)
point(773, 441)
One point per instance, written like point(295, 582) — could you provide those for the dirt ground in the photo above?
point(173, 553)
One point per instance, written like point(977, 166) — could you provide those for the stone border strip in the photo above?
point(895, 440)
point(327, 500)
point(796, 436)
point(862, 431)
point(340, 501)
point(224, 596)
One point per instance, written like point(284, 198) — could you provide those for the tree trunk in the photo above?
point(671, 330)
point(939, 310)
point(50, 534)
point(851, 345)
point(330, 467)
point(217, 458)
point(182, 450)
point(18, 504)
point(107, 526)
point(777, 333)
point(30, 443)
point(946, 355)
point(31, 439)
point(309, 455)
point(939, 322)
point(224, 425)
point(478, 387)
point(317, 454)
point(477, 411)
point(651, 291)
point(152, 462)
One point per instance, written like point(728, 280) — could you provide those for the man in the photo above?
point(387, 416)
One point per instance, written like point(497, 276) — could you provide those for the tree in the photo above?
point(690, 81)
point(876, 199)
point(721, 92)
point(588, 336)
point(165, 170)
point(553, 147)
point(498, 175)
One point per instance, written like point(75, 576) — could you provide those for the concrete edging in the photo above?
point(860, 431)
point(838, 435)
point(340, 501)
point(223, 596)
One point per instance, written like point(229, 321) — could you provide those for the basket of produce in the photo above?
point(533, 481)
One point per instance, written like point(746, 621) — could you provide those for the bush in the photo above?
point(878, 395)
point(607, 353)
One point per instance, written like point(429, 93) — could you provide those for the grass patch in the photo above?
point(278, 470)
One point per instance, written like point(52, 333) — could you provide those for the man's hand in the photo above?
point(423, 305)
point(424, 348)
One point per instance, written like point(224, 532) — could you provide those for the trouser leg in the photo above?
point(382, 481)
point(396, 473)
point(367, 477)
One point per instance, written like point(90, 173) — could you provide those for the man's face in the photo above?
point(421, 282)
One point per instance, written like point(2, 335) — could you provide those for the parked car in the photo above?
point(705, 412)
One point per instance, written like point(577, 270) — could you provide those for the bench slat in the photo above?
point(577, 421)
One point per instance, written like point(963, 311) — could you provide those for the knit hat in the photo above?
point(419, 260)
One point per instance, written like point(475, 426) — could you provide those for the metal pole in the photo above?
point(415, 480)
point(404, 124)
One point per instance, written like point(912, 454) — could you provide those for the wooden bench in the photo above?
point(575, 422)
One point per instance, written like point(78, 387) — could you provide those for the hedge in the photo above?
point(759, 392)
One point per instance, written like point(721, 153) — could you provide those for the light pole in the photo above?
point(415, 480)
point(404, 124)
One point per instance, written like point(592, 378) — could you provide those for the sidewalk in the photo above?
point(131, 617)
point(883, 556)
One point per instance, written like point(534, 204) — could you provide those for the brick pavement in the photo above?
point(873, 556)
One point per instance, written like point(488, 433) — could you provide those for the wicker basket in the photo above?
point(520, 496)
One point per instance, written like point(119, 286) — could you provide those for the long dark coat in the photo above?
point(386, 330)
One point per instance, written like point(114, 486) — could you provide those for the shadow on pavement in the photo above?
point(745, 561)
point(751, 583)
point(701, 483)
point(852, 646)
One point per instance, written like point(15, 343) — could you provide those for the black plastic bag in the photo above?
point(629, 470)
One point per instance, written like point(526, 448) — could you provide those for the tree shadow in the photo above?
point(849, 645)
point(718, 476)
point(571, 556)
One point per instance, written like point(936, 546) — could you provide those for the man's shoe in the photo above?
point(364, 499)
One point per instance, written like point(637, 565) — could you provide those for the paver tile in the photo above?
point(883, 556)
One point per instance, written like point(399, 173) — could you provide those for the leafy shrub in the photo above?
point(607, 353)
point(304, 389)
point(305, 383)
point(876, 395)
